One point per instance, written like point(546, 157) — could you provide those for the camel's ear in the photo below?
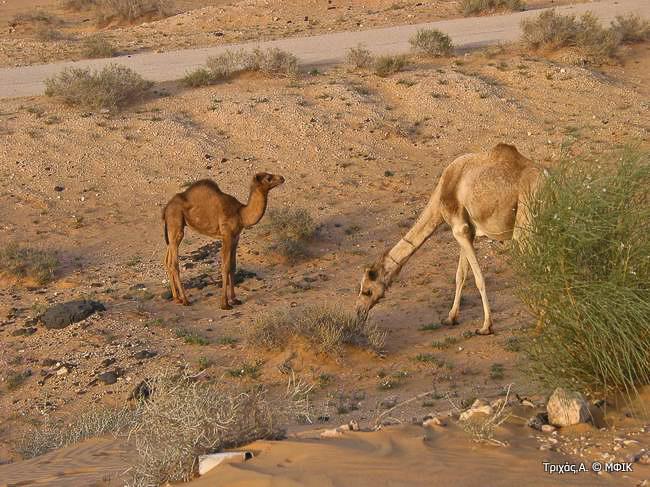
point(259, 177)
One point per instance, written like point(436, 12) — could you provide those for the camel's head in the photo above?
point(267, 181)
point(371, 290)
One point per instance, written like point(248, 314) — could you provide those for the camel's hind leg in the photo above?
point(461, 275)
point(233, 271)
point(174, 227)
point(464, 236)
point(226, 269)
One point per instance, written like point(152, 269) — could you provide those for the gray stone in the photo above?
point(566, 408)
point(64, 314)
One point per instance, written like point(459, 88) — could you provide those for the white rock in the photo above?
point(62, 371)
point(566, 408)
point(480, 408)
point(208, 462)
point(548, 428)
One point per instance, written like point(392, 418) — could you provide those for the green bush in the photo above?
point(473, 7)
point(115, 86)
point(432, 42)
point(584, 271)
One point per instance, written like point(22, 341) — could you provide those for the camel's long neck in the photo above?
point(429, 220)
point(254, 210)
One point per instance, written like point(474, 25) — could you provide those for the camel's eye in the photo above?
point(372, 275)
point(367, 292)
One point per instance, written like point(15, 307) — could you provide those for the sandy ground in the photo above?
point(362, 154)
point(206, 23)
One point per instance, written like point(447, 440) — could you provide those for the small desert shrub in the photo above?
point(631, 28)
point(47, 34)
point(553, 31)
point(38, 16)
point(328, 329)
point(385, 65)
point(28, 263)
point(431, 42)
point(92, 423)
point(131, 10)
point(79, 4)
point(585, 273)
point(97, 47)
point(183, 419)
point(473, 7)
point(360, 58)
point(272, 62)
point(115, 86)
point(291, 230)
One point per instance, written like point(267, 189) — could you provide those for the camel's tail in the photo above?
point(166, 237)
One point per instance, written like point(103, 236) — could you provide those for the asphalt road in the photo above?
point(318, 50)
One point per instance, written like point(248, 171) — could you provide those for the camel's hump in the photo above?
point(504, 152)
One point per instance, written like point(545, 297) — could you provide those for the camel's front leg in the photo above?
point(462, 234)
point(233, 271)
point(226, 264)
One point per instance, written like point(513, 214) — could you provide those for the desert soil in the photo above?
point(202, 23)
point(362, 154)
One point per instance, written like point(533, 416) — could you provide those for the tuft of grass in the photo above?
point(328, 329)
point(551, 30)
point(474, 7)
point(512, 344)
point(183, 419)
point(91, 423)
point(272, 62)
point(291, 229)
point(584, 272)
point(15, 379)
point(227, 340)
point(431, 42)
point(429, 358)
point(496, 371)
point(131, 10)
point(28, 263)
point(46, 33)
point(360, 58)
point(97, 46)
point(204, 362)
point(115, 86)
point(430, 327)
point(191, 338)
point(247, 369)
point(446, 343)
point(386, 65)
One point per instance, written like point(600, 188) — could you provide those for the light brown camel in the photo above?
point(478, 194)
point(209, 211)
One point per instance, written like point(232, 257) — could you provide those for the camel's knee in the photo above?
point(461, 231)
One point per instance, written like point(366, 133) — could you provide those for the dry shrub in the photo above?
point(360, 58)
point(584, 272)
point(92, 423)
point(272, 62)
point(79, 4)
point(551, 30)
point(431, 42)
point(291, 230)
point(631, 28)
point(97, 47)
point(132, 10)
point(37, 16)
point(183, 419)
point(328, 329)
point(28, 263)
point(473, 7)
point(386, 65)
point(115, 86)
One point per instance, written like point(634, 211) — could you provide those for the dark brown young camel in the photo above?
point(209, 211)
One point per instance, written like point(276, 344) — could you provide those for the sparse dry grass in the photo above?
point(28, 263)
point(92, 423)
point(97, 46)
point(184, 419)
point(272, 62)
point(360, 58)
point(473, 7)
point(328, 329)
point(431, 42)
point(113, 87)
point(132, 10)
point(291, 230)
point(631, 28)
point(386, 65)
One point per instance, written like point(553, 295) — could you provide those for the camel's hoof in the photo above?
point(225, 306)
point(448, 322)
point(185, 302)
point(235, 301)
point(482, 331)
